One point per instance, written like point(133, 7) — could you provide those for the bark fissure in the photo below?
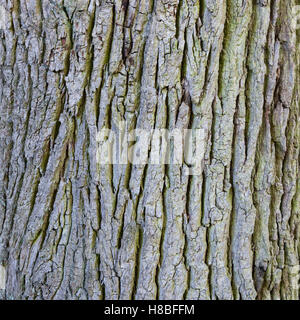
point(72, 228)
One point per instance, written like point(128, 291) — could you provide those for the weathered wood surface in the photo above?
point(72, 229)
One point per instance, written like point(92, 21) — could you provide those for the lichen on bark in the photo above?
point(71, 228)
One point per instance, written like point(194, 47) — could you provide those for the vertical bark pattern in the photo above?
point(73, 229)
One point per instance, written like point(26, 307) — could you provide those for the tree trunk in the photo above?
point(74, 228)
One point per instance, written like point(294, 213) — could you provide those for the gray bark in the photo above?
point(73, 229)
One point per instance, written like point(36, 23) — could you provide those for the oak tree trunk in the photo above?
point(71, 228)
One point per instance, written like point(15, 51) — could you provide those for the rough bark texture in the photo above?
point(72, 229)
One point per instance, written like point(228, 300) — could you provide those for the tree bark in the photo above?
point(71, 228)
